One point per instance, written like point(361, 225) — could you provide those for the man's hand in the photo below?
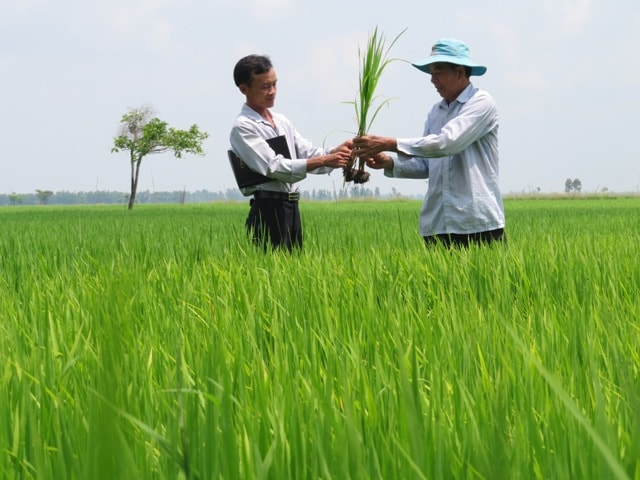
point(368, 146)
point(344, 147)
point(338, 157)
point(380, 161)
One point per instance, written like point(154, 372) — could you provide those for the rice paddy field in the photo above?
point(158, 343)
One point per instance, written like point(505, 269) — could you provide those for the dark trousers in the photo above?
point(464, 240)
point(274, 222)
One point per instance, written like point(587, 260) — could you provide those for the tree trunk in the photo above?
point(135, 173)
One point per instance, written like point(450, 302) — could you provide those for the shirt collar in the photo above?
point(253, 115)
point(464, 96)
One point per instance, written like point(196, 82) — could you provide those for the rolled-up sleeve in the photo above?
point(405, 166)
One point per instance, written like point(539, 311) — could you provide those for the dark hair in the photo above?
point(249, 66)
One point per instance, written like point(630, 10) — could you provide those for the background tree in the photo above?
point(574, 185)
point(142, 135)
point(16, 198)
point(43, 196)
point(568, 185)
point(577, 185)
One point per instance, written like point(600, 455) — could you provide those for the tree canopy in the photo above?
point(572, 185)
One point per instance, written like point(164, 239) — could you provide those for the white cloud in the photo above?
point(24, 6)
point(268, 9)
point(329, 70)
point(144, 24)
point(574, 15)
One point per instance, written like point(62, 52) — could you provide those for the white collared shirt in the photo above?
point(459, 155)
point(248, 140)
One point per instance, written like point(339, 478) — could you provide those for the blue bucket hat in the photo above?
point(451, 51)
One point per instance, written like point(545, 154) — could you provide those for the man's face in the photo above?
point(261, 94)
point(448, 79)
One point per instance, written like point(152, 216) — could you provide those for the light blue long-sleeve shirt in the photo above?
point(458, 153)
point(248, 139)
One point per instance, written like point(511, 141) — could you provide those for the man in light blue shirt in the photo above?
point(458, 153)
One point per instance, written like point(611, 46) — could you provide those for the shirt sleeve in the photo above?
point(306, 150)
point(406, 166)
point(475, 118)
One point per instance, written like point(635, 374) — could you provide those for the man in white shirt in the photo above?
point(458, 153)
point(274, 217)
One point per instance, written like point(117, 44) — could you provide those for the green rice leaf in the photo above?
point(373, 62)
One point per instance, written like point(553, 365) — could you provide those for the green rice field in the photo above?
point(158, 343)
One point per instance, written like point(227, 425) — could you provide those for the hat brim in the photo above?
point(423, 65)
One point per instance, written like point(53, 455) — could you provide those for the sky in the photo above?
point(565, 75)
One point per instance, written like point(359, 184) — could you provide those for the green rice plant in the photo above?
point(159, 343)
point(372, 64)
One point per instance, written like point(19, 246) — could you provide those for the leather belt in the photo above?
point(284, 196)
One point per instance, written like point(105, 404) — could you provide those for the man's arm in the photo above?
point(336, 158)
